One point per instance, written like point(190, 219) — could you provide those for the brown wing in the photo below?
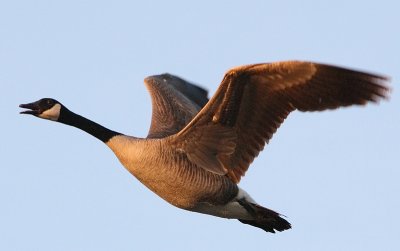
point(175, 103)
point(252, 102)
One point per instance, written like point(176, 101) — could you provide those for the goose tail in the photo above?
point(264, 218)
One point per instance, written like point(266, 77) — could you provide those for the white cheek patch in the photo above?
point(51, 114)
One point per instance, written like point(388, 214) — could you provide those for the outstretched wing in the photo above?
point(175, 103)
point(252, 102)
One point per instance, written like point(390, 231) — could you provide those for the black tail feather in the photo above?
point(264, 218)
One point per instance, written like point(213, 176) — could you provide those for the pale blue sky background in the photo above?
point(334, 174)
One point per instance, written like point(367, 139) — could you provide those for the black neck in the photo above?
point(69, 118)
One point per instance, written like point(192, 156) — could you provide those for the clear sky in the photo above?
point(335, 175)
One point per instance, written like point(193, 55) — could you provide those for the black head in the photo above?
point(45, 108)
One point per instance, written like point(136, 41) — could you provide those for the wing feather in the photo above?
point(254, 100)
point(175, 103)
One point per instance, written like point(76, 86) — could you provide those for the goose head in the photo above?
point(45, 108)
point(51, 109)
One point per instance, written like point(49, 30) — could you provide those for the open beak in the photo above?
point(33, 108)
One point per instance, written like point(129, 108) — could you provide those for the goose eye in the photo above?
point(49, 102)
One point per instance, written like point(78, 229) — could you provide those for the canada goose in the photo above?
point(197, 150)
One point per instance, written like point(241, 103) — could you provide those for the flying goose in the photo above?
point(197, 149)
